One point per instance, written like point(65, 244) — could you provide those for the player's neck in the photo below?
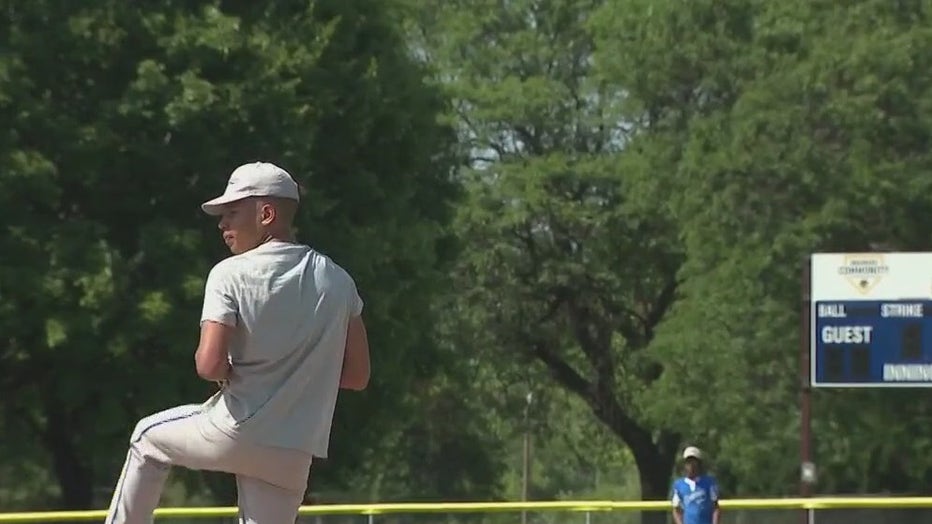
point(278, 237)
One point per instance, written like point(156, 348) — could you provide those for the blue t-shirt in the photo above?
point(696, 497)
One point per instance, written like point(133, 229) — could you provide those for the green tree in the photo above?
point(121, 119)
point(770, 131)
point(562, 272)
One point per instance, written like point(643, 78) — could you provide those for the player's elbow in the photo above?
point(356, 381)
point(208, 370)
point(355, 374)
point(210, 367)
point(211, 357)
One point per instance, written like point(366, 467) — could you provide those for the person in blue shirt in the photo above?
point(695, 495)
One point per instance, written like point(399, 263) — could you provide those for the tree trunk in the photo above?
point(654, 456)
point(75, 477)
point(654, 470)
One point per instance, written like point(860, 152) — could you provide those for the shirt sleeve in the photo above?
point(675, 499)
point(356, 303)
point(219, 300)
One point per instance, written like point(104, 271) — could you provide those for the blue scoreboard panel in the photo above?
point(873, 343)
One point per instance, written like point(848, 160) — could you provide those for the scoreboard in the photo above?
point(871, 320)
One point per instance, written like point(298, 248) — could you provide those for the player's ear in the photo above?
point(267, 213)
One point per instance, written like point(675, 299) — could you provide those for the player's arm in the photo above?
point(716, 511)
point(218, 324)
point(212, 356)
point(677, 507)
point(355, 373)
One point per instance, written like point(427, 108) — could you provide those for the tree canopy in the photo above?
point(604, 204)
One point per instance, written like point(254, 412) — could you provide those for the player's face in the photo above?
point(691, 466)
point(240, 225)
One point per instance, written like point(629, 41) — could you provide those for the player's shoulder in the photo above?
point(325, 267)
point(252, 258)
point(229, 265)
point(709, 479)
point(230, 269)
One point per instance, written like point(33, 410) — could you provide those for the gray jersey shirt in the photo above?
point(291, 307)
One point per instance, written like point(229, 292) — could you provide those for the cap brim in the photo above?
point(214, 207)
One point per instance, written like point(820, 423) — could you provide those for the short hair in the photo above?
point(285, 208)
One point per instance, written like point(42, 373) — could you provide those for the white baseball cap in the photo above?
point(692, 452)
point(252, 180)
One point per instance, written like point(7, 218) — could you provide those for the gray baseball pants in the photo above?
point(270, 482)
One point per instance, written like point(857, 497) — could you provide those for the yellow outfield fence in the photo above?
point(589, 506)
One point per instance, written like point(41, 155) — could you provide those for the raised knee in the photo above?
point(137, 431)
point(141, 427)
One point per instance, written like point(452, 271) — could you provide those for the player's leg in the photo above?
point(270, 482)
point(263, 503)
point(147, 463)
point(137, 491)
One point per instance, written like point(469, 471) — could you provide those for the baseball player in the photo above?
point(281, 332)
point(695, 495)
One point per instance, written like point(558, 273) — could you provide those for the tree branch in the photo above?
point(659, 309)
point(595, 345)
point(560, 296)
point(564, 374)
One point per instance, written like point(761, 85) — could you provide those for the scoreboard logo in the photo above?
point(864, 271)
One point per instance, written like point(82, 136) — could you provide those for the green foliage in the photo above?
point(120, 120)
point(772, 130)
point(603, 203)
point(550, 226)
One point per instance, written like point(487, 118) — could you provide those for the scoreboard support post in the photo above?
point(865, 322)
point(807, 469)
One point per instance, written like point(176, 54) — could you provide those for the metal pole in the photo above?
point(526, 469)
point(526, 476)
point(805, 397)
